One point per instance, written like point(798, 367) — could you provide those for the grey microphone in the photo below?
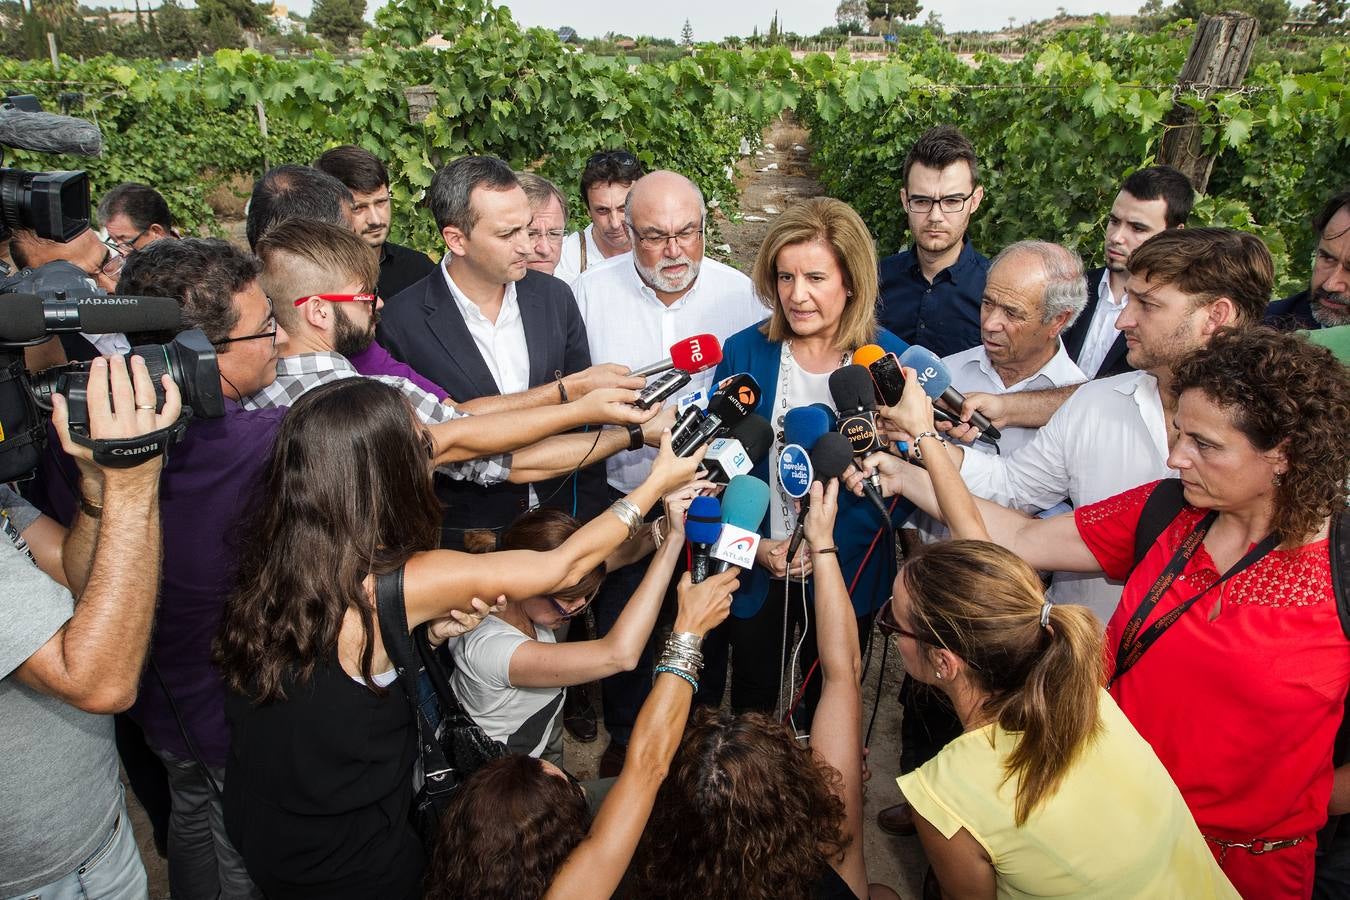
point(49, 133)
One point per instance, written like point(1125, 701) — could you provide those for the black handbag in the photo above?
point(451, 749)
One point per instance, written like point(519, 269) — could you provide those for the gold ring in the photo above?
point(145, 406)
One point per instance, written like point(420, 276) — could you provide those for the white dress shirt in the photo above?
point(1108, 437)
point(628, 324)
point(972, 371)
point(1102, 331)
point(569, 263)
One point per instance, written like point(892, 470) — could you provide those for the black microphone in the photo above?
point(854, 396)
point(829, 458)
point(735, 399)
point(740, 451)
point(44, 132)
point(25, 317)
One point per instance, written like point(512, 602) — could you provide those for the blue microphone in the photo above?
point(804, 425)
point(936, 382)
point(744, 504)
point(795, 474)
point(702, 526)
point(830, 415)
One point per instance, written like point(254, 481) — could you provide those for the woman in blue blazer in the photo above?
point(817, 271)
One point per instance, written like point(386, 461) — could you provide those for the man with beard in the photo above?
point(372, 208)
point(1326, 303)
point(1150, 200)
point(636, 306)
point(605, 182)
point(930, 293)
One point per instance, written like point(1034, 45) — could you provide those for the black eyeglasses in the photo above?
point(265, 333)
point(886, 622)
point(952, 203)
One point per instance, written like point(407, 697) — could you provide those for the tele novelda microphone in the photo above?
point(936, 382)
point(693, 354)
point(851, 388)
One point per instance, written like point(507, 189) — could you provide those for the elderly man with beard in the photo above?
point(635, 307)
point(1326, 303)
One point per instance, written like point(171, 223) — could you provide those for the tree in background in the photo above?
point(180, 32)
point(851, 16)
point(687, 34)
point(1269, 14)
point(339, 20)
point(905, 10)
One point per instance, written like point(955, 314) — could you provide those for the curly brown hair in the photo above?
point(506, 833)
point(746, 812)
point(1285, 392)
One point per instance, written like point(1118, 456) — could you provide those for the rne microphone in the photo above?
point(693, 354)
point(735, 398)
point(26, 317)
point(744, 504)
point(936, 382)
point(702, 526)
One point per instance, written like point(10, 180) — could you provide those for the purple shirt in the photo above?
point(375, 360)
point(203, 491)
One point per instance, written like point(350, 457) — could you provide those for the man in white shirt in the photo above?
point(1033, 293)
point(1114, 433)
point(605, 182)
point(1151, 200)
point(635, 307)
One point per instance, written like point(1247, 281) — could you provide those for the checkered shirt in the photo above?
point(305, 371)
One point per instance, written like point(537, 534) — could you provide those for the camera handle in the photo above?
point(127, 453)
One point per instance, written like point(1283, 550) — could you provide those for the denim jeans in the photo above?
point(111, 872)
point(203, 864)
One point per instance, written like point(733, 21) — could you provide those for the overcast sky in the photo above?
point(714, 19)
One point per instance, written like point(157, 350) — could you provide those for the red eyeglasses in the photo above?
point(340, 298)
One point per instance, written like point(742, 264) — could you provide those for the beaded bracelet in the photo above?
point(686, 676)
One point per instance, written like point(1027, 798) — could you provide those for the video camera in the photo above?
point(53, 205)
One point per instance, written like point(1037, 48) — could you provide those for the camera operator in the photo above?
point(71, 652)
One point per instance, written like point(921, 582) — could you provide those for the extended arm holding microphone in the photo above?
point(577, 385)
point(936, 382)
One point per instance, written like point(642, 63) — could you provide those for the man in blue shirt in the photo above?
point(931, 293)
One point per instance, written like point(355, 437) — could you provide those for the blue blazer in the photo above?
point(857, 522)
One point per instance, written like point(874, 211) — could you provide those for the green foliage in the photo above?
point(338, 20)
point(1269, 14)
point(906, 10)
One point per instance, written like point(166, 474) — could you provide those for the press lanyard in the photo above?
point(1132, 642)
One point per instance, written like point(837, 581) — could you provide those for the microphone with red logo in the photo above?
point(744, 504)
point(735, 399)
point(693, 354)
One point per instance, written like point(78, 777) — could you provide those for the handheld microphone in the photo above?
point(733, 400)
point(702, 525)
point(740, 451)
point(853, 393)
point(936, 382)
point(744, 504)
point(804, 425)
point(685, 423)
point(25, 317)
point(693, 354)
point(830, 415)
point(44, 132)
point(795, 474)
point(828, 459)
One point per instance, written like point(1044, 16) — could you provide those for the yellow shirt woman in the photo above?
point(1116, 827)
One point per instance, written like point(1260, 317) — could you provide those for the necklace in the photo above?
point(782, 403)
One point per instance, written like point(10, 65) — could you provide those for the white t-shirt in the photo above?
point(569, 264)
point(526, 720)
point(803, 389)
point(627, 323)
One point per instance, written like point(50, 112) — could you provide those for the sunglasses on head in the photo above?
point(621, 159)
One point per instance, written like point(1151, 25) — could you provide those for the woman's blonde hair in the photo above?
point(836, 225)
point(984, 604)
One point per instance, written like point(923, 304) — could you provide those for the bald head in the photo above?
point(662, 192)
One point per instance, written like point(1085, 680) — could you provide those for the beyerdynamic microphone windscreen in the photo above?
point(936, 382)
point(831, 455)
point(24, 317)
point(693, 354)
point(702, 526)
point(804, 425)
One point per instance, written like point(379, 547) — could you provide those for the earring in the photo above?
point(938, 672)
point(848, 293)
point(1278, 479)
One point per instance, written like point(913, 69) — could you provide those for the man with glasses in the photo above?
point(635, 308)
point(930, 293)
point(366, 177)
point(605, 182)
point(133, 215)
point(548, 225)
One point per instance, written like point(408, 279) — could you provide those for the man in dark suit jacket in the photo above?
point(1151, 200)
point(498, 337)
point(1326, 303)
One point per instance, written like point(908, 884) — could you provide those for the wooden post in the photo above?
point(262, 129)
point(51, 48)
point(1220, 54)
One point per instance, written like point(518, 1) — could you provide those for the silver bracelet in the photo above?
point(686, 639)
point(628, 514)
point(693, 658)
point(914, 450)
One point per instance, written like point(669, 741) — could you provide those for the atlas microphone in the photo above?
point(702, 526)
point(936, 382)
point(740, 451)
point(25, 317)
point(693, 354)
point(735, 398)
point(744, 503)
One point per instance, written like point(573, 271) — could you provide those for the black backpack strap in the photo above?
point(1339, 548)
point(1164, 503)
point(393, 618)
